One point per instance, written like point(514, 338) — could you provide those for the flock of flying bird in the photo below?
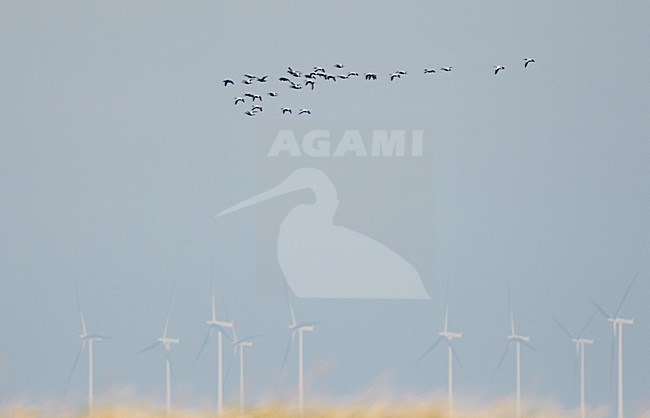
point(302, 80)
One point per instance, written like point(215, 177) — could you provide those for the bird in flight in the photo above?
point(228, 81)
point(528, 61)
point(393, 76)
point(429, 71)
point(239, 100)
point(371, 76)
point(261, 79)
point(307, 111)
point(310, 83)
point(337, 65)
point(447, 69)
point(498, 68)
point(272, 94)
point(286, 110)
point(253, 96)
point(256, 108)
point(249, 113)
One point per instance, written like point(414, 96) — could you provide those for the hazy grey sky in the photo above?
point(118, 145)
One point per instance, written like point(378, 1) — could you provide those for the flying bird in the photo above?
point(528, 61)
point(310, 83)
point(307, 111)
point(284, 79)
point(228, 81)
point(371, 76)
point(337, 65)
point(239, 100)
point(401, 72)
point(253, 96)
point(353, 73)
point(256, 108)
point(429, 71)
point(261, 79)
point(247, 81)
point(286, 110)
point(447, 69)
point(272, 94)
point(497, 68)
point(249, 76)
point(393, 76)
point(249, 113)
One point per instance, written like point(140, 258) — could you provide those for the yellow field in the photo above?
point(377, 410)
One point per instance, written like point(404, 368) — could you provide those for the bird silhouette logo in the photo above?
point(320, 259)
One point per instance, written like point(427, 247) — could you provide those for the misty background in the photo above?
point(119, 144)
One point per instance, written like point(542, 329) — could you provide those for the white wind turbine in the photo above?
point(220, 327)
point(87, 339)
point(517, 340)
point(451, 352)
point(617, 327)
point(580, 353)
point(238, 346)
point(166, 342)
point(297, 328)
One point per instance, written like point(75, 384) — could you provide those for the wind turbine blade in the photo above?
point(529, 345)
point(169, 308)
point(234, 335)
point(584, 328)
point(148, 348)
point(84, 330)
point(627, 291)
point(226, 311)
point(293, 314)
point(286, 352)
point(600, 309)
point(206, 339)
point(232, 361)
point(172, 369)
point(512, 315)
point(566, 331)
point(74, 366)
point(503, 357)
point(447, 306)
point(430, 349)
point(213, 305)
point(455, 353)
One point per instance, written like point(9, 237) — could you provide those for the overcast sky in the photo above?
point(119, 144)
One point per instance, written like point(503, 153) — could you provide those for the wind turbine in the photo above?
point(87, 339)
point(166, 342)
point(297, 328)
point(447, 335)
point(580, 352)
point(238, 346)
point(617, 327)
point(220, 328)
point(321, 259)
point(516, 339)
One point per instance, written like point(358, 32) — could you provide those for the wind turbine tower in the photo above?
point(617, 328)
